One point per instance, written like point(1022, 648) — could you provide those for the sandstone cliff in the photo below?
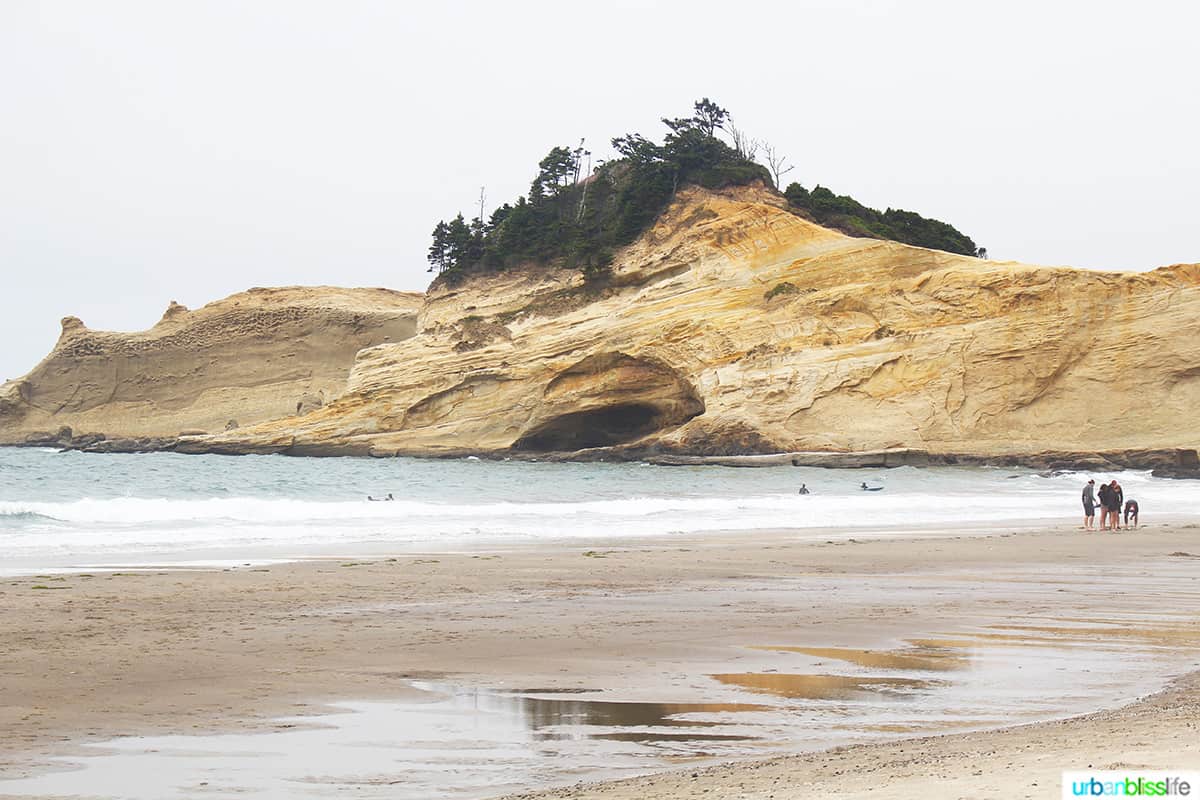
point(265, 354)
point(734, 326)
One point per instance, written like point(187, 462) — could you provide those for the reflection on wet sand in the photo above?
point(940, 724)
point(945, 644)
point(825, 687)
point(645, 736)
point(1119, 633)
point(557, 690)
point(541, 713)
point(918, 657)
point(1162, 635)
point(462, 741)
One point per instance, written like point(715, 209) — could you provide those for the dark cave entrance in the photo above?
point(600, 428)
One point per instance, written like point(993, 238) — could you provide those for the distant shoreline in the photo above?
point(1182, 463)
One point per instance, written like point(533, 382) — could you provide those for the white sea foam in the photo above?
point(59, 508)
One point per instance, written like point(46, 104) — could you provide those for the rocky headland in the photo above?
point(264, 354)
point(731, 329)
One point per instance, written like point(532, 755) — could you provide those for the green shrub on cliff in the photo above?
point(849, 216)
point(578, 220)
point(579, 223)
point(786, 287)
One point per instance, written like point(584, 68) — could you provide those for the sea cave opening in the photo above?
point(598, 428)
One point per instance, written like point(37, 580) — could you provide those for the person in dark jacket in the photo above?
point(1103, 493)
point(1116, 499)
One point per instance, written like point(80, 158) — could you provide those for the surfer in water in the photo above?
point(379, 499)
point(803, 489)
point(866, 488)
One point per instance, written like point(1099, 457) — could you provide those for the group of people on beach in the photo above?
point(1110, 498)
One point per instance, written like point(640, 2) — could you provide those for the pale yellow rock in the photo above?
point(864, 345)
point(259, 355)
point(735, 326)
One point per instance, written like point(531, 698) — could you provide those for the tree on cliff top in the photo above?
point(578, 223)
point(849, 216)
point(555, 173)
point(707, 119)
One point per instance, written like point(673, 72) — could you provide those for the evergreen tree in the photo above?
point(555, 172)
point(498, 216)
point(458, 237)
point(438, 251)
point(579, 221)
point(637, 149)
point(707, 119)
point(710, 117)
point(850, 216)
point(475, 247)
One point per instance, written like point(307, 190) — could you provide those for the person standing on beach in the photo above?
point(1118, 499)
point(1089, 506)
point(1105, 490)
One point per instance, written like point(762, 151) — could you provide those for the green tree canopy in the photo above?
point(577, 220)
point(846, 214)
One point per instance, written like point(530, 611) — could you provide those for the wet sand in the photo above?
point(92, 656)
point(1158, 732)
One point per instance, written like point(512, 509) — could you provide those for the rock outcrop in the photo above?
point(265, 354)
point(734, 327)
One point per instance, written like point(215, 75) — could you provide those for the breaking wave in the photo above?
point(56, 508)
point(16, 518)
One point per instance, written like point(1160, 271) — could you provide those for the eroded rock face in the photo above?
point(259, 355)
point(608, 399)
point(694, 348)
point(731, 328)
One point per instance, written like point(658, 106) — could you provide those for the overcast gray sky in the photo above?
point(156, 151)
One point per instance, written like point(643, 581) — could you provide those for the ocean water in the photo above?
point(69, 510)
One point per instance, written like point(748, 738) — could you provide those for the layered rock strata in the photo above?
point(732, 327)
point(265, 354)
point(736, 327)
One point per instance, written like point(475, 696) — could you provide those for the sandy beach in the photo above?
point(627, 428)
point(1159, 732)
point(88, 657)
